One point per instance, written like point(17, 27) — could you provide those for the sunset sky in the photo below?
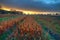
point(36, 5)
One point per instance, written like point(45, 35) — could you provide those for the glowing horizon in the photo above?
point(26, 12)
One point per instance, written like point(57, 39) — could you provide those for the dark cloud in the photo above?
point(44, 5)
